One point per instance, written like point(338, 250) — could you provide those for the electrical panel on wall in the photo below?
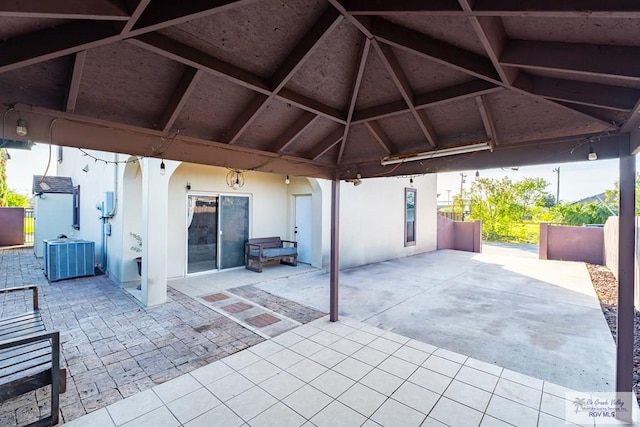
point(109, 205)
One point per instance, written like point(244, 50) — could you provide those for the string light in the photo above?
point(97, 159)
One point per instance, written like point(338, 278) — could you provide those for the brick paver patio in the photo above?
point(112, 346)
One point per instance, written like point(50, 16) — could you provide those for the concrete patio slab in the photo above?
point(435, 387)
point(538, 317)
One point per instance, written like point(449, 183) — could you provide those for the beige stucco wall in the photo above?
point(53, 216)
point(371, 215)
point(267, 193)
point(372, 219)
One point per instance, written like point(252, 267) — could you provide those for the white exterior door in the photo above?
point(302, 229)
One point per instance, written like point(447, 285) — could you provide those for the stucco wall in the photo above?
point(101, 176)
point(52, 215)
point(611, 229)
point(268, 206)
point(11, 226)
point(446, 233)
point(458, 235)
point(372, 219)
point(566, 243)
point(371, 215)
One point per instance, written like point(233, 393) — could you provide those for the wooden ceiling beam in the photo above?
point(305, 47)
point(179, 98)
point(493, 36)
point(592, 60)
point(327, 143)
point(554, 8)
point(380, 135)
point(136, 8)
point(311, 105)
point(487, 120)
point(397, 7)
point(311, 40)
point(60, 41)
point(74, 81)
point(191, 57)
point(591, 94)
point(245, 118)
point(402, 83)
point(103, 10)
point(542, 8)
point(164, 14)
point(435, 50)
point(430, 99)
point(77, 36)
point(363, 54)
point(174, 50)
point(284, 140)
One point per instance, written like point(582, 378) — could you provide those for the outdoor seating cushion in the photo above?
point(273, 252)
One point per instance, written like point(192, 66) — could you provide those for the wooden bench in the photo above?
point(259, 251)
point(30, 357)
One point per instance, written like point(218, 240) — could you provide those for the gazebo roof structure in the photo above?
point(325, 88)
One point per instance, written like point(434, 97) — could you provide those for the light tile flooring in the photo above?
point(342, 374)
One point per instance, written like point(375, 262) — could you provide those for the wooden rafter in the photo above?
point(491, 33)
point(380, 135)
point(430, 99)
point(543, 8)
point(136, 7)
point(592, 60)
point(311, 40)
point(487, 120)
point(77, 36)
point(74, 81)
point(179, 98)
point(435, 50)
point(327, 143)
point(104, 10)
point(363, 54)
point(284, 140)
point(402, 83)
point(591, 94)
point(172, 49)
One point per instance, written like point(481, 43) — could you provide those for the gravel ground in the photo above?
point(606, 286)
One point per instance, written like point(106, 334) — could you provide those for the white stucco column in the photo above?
point(155, 198)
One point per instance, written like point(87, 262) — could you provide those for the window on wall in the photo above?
point(76, 207)
point(409, 216)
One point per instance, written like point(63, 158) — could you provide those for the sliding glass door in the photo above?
point(217, 228)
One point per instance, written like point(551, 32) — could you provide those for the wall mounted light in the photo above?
point(477, 174)
point(6, 155)
point(163, 170)
point(85, 168)
point(235, 178)
point(592, 153)
point(411, 182)
point(21, 128)
point(188, 186)
point(356, 181)
point(287, 180)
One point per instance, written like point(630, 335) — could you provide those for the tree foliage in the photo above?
point(580, 213)
point(9, 198)
point(502, 204)
point(4, 189)
point(613, 196)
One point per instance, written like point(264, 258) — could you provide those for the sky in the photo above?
point(577, 180)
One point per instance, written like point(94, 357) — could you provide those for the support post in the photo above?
point(626, 259)
point(155, 213)
point(335, 250)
